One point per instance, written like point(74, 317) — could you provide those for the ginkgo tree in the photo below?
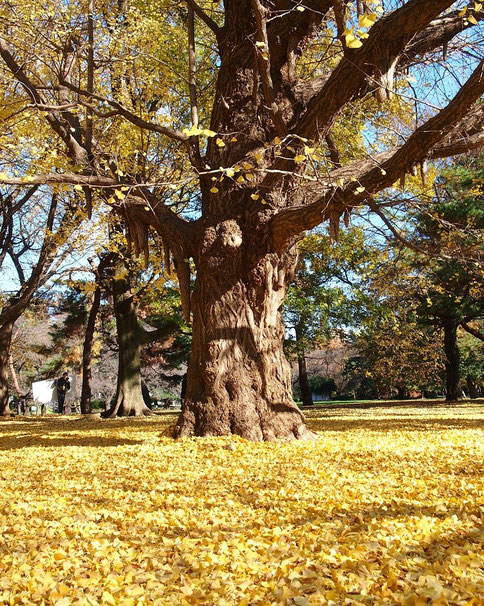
point(278, 114)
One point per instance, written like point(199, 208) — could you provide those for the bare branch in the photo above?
point(210, 23)
point(263, 54)
point(133, 118)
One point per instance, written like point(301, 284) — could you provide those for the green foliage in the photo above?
point(451, 228)
point(322, 385)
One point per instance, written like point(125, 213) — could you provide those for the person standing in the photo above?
point(63, 386)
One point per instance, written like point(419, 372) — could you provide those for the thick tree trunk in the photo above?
point(5, 341)
point(306, 396)
point(238, 380)
point(86, 392)
point(129, 400)
point(452, 359)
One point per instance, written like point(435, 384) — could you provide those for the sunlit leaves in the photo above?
point(114, 513)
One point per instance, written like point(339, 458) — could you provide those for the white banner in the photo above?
point(45, 392)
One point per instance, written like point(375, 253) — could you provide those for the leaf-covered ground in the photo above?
point(386, 508)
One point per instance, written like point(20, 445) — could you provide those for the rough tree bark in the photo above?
point(306, 395)
point(5, 340)
point(239, 380)
point(452, 359)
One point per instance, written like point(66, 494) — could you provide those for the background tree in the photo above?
point(37, 242)
point(452, 231)
point(277, 86)
point(471, 364)
point(321, 299)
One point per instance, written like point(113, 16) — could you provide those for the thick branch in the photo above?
point(387, 40)
point(149, 336)
point(375, 174)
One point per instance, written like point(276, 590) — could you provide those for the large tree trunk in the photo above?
point(306, 396)
point(86, 392)
point(5, 340)
point(452, 359)
point(238, 380)
point(129, 400)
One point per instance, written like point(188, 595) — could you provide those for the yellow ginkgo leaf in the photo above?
point(367, 20)
point(352, 42)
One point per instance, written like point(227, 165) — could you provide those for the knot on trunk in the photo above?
point(230, 234)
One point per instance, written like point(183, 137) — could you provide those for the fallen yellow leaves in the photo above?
point(386, 508)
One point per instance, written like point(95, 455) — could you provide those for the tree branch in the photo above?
point(210, 23)
point(387, 40)
point(264, 60)
point(133, 118)
point(375, 174)
point(77, 152)
point(149, 336)
point(472, 331)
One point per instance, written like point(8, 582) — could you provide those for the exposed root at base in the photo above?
point(119, 410)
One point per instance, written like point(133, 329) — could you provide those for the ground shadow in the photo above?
point(36, 440)
point(326, 423)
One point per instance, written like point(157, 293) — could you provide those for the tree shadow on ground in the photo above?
point(48, 425)
point(329, 423)
point(44, 441)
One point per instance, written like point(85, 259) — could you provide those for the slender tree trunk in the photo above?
point(306, 395)
point(5, 341)
point(86, 392)
point(13, 374)
point(452, 360)
point(129, 400)
point(238, 380)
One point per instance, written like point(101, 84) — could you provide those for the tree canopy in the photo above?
point(229, 129)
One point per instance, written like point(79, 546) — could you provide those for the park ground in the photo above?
point(385, 508)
